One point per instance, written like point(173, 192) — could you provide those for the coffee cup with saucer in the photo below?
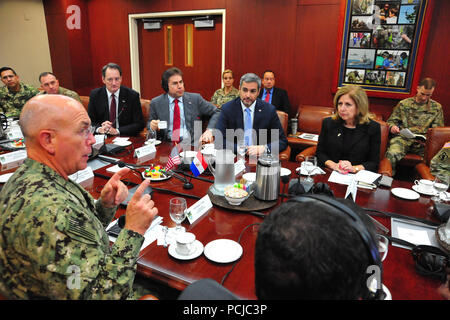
point(186, 247)
point(424, 186)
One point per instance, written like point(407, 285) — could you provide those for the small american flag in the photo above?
point(174, 159)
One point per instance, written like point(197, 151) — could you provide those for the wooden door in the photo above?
point(169, 46)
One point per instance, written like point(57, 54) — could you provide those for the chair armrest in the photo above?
point(143, 133)
point(311, 151)
point(285, 154)
point(385, 167)
point(424, 171)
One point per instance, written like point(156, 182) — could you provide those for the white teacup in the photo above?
point(185, 243)
point(424, 185)
point(162, 125)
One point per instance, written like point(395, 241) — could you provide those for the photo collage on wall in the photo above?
point(379, 42)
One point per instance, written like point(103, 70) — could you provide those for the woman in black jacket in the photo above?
point(349, 140)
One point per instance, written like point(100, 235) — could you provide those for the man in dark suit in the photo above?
point(177, 115)
point(249, 115)
point(121, 115)
point(273, 95)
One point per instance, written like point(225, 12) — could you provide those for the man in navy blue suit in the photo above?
point(115, 109)
point(252, 120)
point(275, 96)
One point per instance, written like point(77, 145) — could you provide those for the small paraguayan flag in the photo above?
point(199, 164)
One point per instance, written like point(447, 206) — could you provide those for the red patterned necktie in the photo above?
point(176, 122)
point(112, 111)
point(267, 96)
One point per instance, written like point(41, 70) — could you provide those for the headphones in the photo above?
point(355, 221)
point(166, 75)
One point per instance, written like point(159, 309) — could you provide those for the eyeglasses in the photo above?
point(87, 131)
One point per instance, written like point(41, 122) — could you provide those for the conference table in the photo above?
point(154, 261)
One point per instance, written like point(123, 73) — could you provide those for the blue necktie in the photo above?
point(248, 127)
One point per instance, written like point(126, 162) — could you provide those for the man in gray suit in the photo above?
point(174, 113)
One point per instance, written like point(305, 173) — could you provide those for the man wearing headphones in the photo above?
point(316, 247)
point(173, 113)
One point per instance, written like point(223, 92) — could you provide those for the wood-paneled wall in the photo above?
point(295, 38)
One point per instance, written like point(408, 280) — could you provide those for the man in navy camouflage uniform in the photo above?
point(53, 242)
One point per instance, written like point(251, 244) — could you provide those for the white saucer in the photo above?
point(156, 142)
point(122, 143)
point(404, 193)
point(427, 193)
point(196, 252)
point(223, 250)
point(5, 177)
point(249, 176)
point(285, 172)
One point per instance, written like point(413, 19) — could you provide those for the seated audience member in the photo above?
point(14, 93)
point(115, 109)
point(418, 114)
point(180, 110)
point(51, 86)
point(251, 114)
point(53, 243)
point(312, 250)
point(275, 96)
point(228, 92)
point(349, 141)
point(440, 164)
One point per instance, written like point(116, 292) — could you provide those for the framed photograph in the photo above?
point(382, 44)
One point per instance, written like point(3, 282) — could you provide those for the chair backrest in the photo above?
point(284, 119)
point(85, 101)
point(436, 137)
point(310, 118)
point(384, 128)
point(145, 105)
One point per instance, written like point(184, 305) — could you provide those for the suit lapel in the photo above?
point(104, 102)
point(122, 101)
point(188, 114)
point(258, 114)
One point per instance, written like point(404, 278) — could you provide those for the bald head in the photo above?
point(47, 112)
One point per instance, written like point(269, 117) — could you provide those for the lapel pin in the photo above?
point(339, 134)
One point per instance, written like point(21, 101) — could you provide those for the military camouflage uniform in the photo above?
point(11, 103)
point(440, 164)
point(417, 118)
point(66, 92)
point(53, 242)
point(220, 98)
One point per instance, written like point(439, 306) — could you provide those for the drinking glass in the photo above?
point(177, 210)
point(440, 184)
point(309, 164)
point(241, 150)
point(151, 136)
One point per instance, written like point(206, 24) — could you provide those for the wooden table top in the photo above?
point(219, 223)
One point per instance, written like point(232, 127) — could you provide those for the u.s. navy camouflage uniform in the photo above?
point(416, 117)
point(219, 97)
point(440, 164)
point(11, 103)
point(66, 92)
point(53, 242)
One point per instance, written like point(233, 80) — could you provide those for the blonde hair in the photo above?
point(359, 96)
point(227, 71)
